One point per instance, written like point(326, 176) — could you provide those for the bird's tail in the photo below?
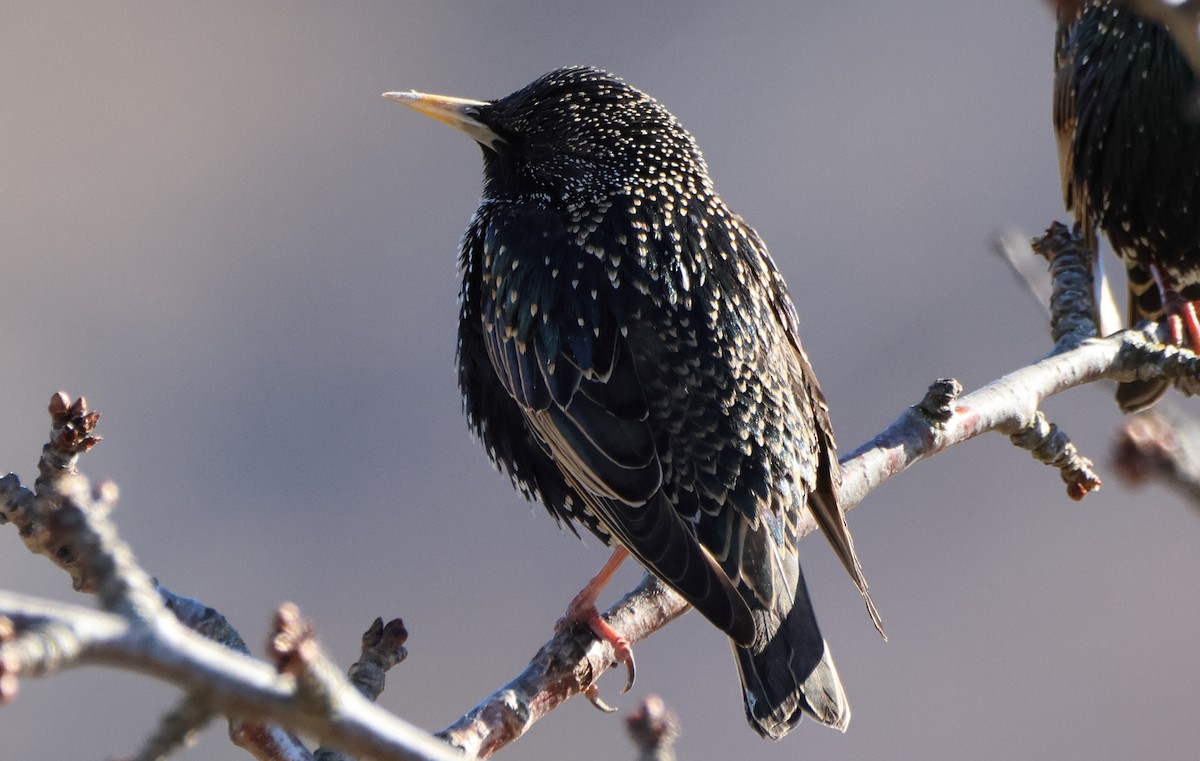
point(1146, 302)
point(791, 673)
point(1135, 396)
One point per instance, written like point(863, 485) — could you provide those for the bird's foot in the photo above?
point(582, 610)
point(1182, 322)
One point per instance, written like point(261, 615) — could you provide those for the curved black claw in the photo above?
point(622, 652)
point(593, 696)
point(630, 668)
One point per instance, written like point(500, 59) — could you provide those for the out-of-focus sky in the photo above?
point(213, 226)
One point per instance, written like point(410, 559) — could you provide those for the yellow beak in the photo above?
point(459, 113)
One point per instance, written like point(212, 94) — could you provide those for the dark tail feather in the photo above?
point(1145, 303)
point(790, 675)
point(1136, 396)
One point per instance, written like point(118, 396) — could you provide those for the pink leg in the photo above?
point(1190, 321)
point(1181, 315)
point(1175, 323)
point(582, 610)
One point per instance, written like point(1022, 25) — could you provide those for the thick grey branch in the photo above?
point(235, 684)
point(1008, 405)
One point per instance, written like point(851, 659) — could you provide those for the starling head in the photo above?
point(574, 135)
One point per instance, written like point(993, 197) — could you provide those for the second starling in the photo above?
point(1129, 153)
point(629, 355)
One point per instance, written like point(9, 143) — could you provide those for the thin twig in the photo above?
point(382, 648)
point(653, 729)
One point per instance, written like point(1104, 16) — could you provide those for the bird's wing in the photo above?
point(1065, 120)
point(562, 356)
point(823, 499)
point(1070, 134)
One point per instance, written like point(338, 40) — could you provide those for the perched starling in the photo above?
point(629, 355)
point(1129, 154)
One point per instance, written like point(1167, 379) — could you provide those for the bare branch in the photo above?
point(1071, 292)
point(66, 522)
point(52, 636)
point(1162, 444)
point(1008, 405)
point(565, 666)
point(202, 619)
point(382, 648)
point(1050, 446)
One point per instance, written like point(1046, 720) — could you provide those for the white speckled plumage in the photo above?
point(629, 355)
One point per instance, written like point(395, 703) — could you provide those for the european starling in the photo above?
point(1129, 154)
point(628, 354)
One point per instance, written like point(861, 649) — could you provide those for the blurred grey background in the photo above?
point(213, 226)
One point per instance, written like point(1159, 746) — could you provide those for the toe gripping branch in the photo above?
point(1183, 325)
